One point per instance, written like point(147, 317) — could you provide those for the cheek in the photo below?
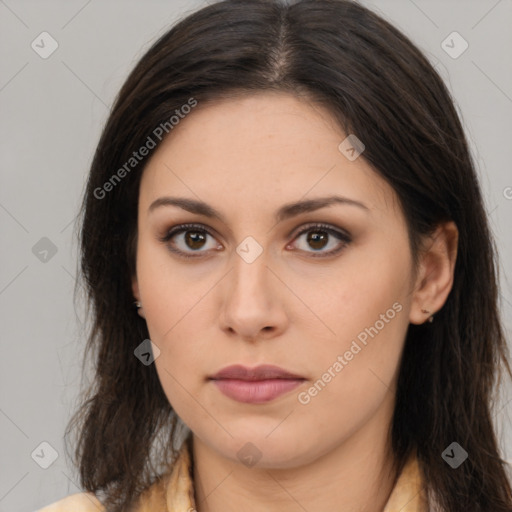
point(169, 294)
point(171, 304)
point(365, 308)
point(355, 374)
point(366, 289)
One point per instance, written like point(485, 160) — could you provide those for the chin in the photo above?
point(256, 448)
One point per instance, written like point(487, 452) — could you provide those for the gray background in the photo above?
point(52, 112)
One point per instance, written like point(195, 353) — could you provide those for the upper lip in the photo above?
point(262, 372)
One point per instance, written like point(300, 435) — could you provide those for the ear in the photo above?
point(136, 295)
point(435, 272)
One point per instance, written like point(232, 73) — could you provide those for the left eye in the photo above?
point(194, 237)
point(319, 235)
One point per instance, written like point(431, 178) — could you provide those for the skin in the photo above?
point(246, 157)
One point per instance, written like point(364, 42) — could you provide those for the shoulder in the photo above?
point(81, 502)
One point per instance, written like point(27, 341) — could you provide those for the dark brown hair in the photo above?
point(379, 86)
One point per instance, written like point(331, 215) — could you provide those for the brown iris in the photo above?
point(317, 237)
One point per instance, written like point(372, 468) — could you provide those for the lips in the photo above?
point(263, 372)
point(255, 385)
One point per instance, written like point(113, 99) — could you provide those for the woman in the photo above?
point(287, 195)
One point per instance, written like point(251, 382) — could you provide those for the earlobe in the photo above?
point(140, 311)
point(435, 275)
point(136, 294)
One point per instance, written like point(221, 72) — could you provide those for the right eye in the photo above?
point(192, 238)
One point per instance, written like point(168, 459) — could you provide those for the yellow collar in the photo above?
point(177, 489)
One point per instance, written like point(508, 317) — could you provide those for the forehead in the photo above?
point(266, 149)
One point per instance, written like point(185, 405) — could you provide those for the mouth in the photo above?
point(255, 385)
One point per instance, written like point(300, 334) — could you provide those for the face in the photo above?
point(323, 293)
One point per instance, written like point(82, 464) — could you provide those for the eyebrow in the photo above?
point(285, 212)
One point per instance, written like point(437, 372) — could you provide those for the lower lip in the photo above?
point(256, 391)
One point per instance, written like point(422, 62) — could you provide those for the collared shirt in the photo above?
point(175, 492)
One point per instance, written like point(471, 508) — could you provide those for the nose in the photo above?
point(252, 304)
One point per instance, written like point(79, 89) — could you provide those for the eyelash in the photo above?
point(342, 236)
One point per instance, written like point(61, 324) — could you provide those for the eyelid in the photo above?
point(180, 228)
point(322, 225)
